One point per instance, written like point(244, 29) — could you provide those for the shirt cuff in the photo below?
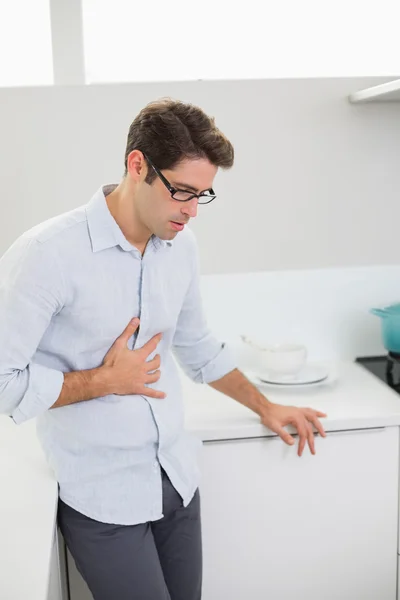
point(221, 365)
point(43, 390)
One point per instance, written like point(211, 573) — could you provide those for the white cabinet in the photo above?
point(398, 571)
point(78, 588)
point(57, 589)
point(278, 526)
point(384, 92)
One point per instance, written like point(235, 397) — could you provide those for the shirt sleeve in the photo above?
point(31, 292)
point(202, 357)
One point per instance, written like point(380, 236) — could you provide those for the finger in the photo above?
point(129, 330)
point(153, 364)
point(151, 345)
point(317, 413)
point(302, 443)
point(301, 427)
point(285, 436)
point(153, 377)
point(320, 414)
point(153, 393)
point(310, 438)
point(317, 424)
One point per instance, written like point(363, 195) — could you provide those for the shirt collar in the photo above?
point(104, 231)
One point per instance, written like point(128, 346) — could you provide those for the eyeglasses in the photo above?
point(204, 197)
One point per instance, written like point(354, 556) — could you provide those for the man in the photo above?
point(92, 302)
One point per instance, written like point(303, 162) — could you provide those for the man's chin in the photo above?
point(167, 235)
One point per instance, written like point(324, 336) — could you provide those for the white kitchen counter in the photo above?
point(353, 399)
point(28, 497)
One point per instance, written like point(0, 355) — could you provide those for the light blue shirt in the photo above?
point(68, 288)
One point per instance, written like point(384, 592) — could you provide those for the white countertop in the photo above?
point(28, 497)
point(352, 398)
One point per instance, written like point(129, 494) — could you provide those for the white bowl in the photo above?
point(283, 359)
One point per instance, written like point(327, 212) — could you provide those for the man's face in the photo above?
point(164, 216)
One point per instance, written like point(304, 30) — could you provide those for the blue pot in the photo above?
point(390, 326)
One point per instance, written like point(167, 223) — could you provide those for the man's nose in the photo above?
point(190, 208)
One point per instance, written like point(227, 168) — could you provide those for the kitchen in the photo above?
point(319, 212)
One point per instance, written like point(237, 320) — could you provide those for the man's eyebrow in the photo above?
point(184, 186)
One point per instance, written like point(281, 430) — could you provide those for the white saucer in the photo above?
point(309, 375)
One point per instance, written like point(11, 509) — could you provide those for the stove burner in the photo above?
point(386, 367)
point(393, 363)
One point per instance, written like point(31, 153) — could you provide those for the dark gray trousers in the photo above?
point(161, 560)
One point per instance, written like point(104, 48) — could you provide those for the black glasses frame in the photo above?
point(172, 190)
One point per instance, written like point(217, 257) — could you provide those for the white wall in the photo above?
point(328, 310)
point(315, 182)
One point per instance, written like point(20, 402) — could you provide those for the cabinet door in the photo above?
point(56, 590)
point(398, 575)
point(276, 526)
point(77, 586)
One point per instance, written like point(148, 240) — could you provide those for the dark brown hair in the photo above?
point(168, 131)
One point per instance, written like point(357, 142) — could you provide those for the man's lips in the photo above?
point(177, 225)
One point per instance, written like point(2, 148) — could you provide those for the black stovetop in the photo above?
point(386, 368)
